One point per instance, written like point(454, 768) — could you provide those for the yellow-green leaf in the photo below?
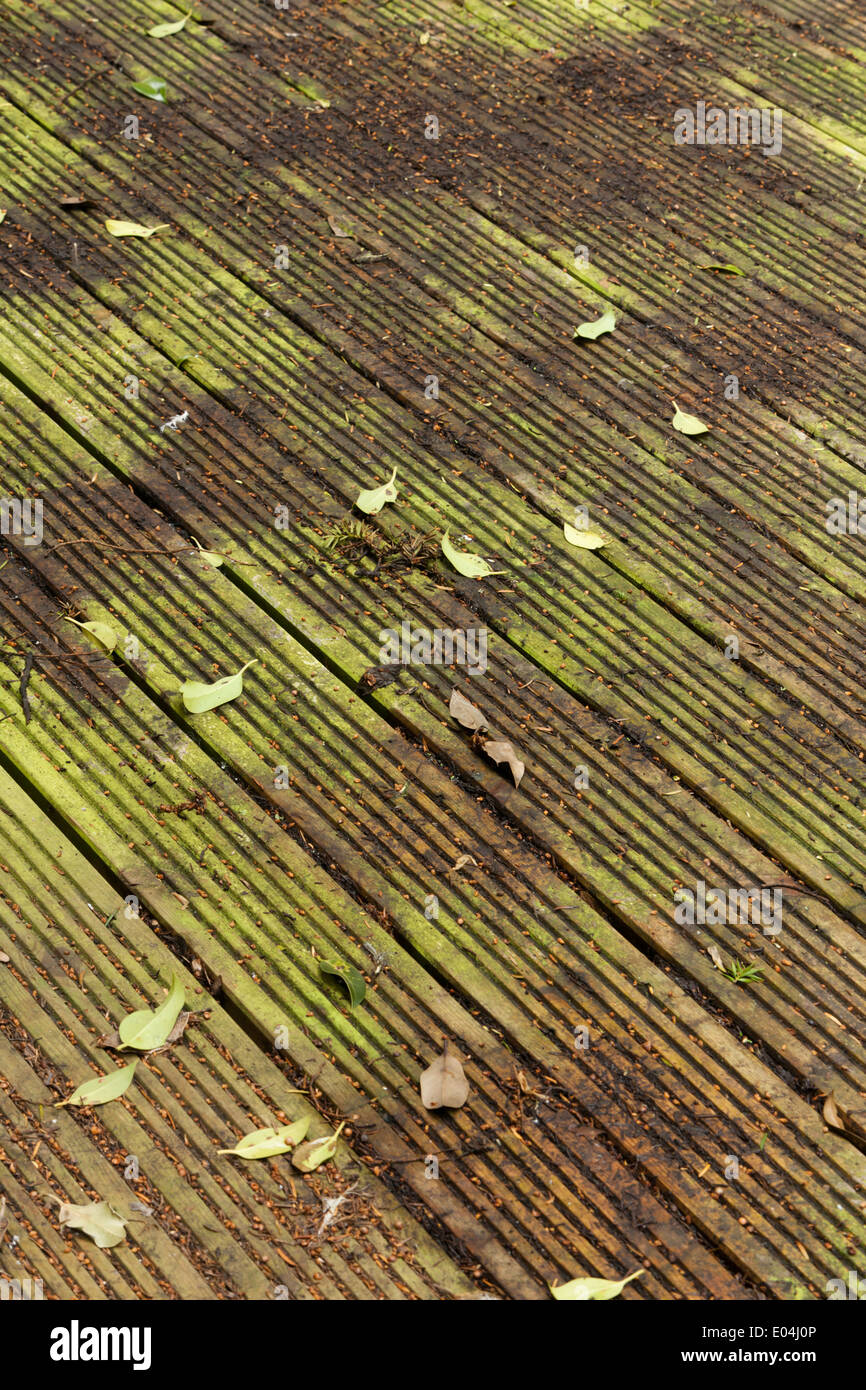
point(581, 1290)
point(688, 424)
point(102, 1088)
point(210, 557)
point(727, 266)
point(3, 212)
point(350, 977)
point(115, 228)
point(162, 31)
point(374, 498)
point(308, 1156)
point(149, 1028)
point(100, 632)
point(465, 563)
point(152, 87)
point(594, 329)
point(270, 1142)
point(198, 696)
point(97, 1220)
point(587, 540)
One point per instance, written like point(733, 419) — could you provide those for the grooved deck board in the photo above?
point(306, 383)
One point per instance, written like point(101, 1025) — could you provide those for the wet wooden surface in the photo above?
point(321, 263)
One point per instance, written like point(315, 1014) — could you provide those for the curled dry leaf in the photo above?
point(444, 1082)
point(97, 1220)
point(832, 1115)
point(337, 227)
point(501, 751)
point(465, 712)
point(715, 956)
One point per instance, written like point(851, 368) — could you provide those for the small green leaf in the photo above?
point(350, 977)
point(102, 1088)
point(606, 324)
point(374, 498)
point(688, 424)
point(726, 266)
point(587, 540)
point(308, 1156)
point(95, 1219)
point(210, 557)
point(465, 563)
point(270, 1142)
point(152, 87)
point(580, 1290)
point(146, 1028)
point(198, 696)
point(115, 228)
point(162, 31)
point(100, 632)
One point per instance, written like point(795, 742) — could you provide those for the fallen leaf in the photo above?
point(606, 324)
point(162, 31)
point(350, 977)
point(198, 696)
point(102, 1088)
point(831, 1114)
point(3, 212)
point(715, 956)
point(337, 228)
point(466, 713)
point(424, 38)
point(97, 1220)
point(688, 424)
point(461, 862)
point(587, 540)
point(152, 87)
point(270, 1142)
point(580, 1290)
point(725, 266)
point(465, 563)
point(210, 557)
point(373, 499)
point(149, 1028)
point(4, 959)
point(501, 751)
point(100, 632)
point(444, 1082)
point(115, 228)
point(75, 200)
point(316, 1151)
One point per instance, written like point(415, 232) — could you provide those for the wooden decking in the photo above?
point(335, 295)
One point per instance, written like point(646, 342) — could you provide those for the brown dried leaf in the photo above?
point(715, 956)
point(466, 713)
point(337, 227)
point(501, 751)
point(444, 1082)
point(832, 1116)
